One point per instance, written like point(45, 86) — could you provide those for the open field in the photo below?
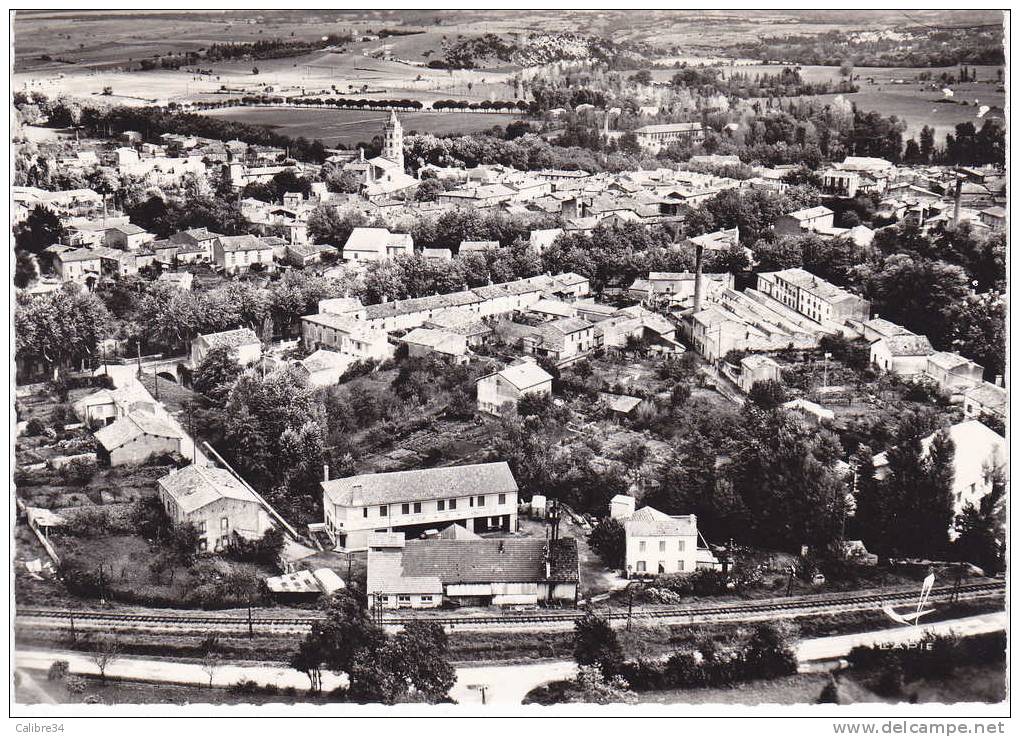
point(348, 127)
point(897, 91)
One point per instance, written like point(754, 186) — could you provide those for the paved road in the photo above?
point(504, 684)
point(28, 686)
point(830, 648)
point(507, 684)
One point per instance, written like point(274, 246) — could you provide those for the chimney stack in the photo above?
point(699, 254)
point(998, 380)
point(325, 472)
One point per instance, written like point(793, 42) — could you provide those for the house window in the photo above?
point(682, 545)
point(203, 545)
point(641, 566)
point(641, 546)
point(453, 504)
point(224, 523)
point(502, 499)
point(201, 526)
point(382, 510)
point(662, 546)
point(679, 565)
point(417, 507)
point(426, 598)
point(403, 599)
point(364, 512)
point(405, 508)
point(441, 505)
point(471, 501)
point(481, 501)
point(662, 567)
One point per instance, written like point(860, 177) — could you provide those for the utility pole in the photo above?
point(789, 583)
point(251, 630)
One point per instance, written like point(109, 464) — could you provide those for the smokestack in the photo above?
point(956, 200)
point(325, 472)
point(699, 254)
point(998, 380)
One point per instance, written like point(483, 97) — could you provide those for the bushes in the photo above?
point(933, 656)
point(34, 427)
point(608, 540)
point(58, 670)
point(765, 655)
point(78, 471)
point(88, 522)
point(264, 550)
point(703, 582)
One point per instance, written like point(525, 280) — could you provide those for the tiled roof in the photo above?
point(524, 375)
point(650, 522)
point(323, 360)
point(81, 254)
point(490, 292)
point(242, 243)
point(809, 213)
point(474, 246)
point(194, 487)
point(230, 338)
point(131, 426)
point(947, 361)
point(458, 320)
point(348, 325)
point(441, 341)
point(129, 229)
point(620, 402)
point(669, 128)
point(908, 345)
point(988, 395)
point(886, 327)
point(429, 483)
point(424, 566)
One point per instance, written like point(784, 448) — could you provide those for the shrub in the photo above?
point(890, 683)
point(78, 471)
point(608, 540)
point(89, 522)
point(58, 670)
point(264, 550)
point(34, 427)
point(765, 655)
point(76, 685)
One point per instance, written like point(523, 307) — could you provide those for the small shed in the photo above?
point(620, 405)
point(304, 585)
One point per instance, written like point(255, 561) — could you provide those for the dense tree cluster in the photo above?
point(156, 121)
point(922, 47)
point(413, 665)
point(778, 481)
point(61, 329)
point(910, 510)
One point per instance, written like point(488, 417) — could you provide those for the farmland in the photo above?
point(897, 91)
point(348, 127)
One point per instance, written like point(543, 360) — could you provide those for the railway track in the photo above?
point(827, 603)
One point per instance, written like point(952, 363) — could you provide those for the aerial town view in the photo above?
point(497, 361)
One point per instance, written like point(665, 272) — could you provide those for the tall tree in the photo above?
point(981, 530)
